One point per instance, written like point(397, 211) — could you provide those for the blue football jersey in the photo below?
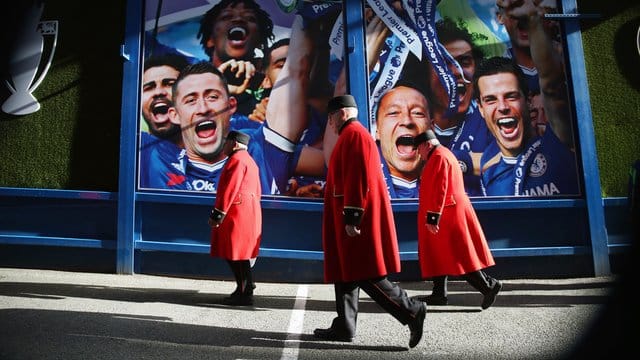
point(398, 188)
point(202, 176)
point(241, 122)
point(160, 165)
point(165, 168)
point(273, 154)
point(545, 168)
point(472, 135)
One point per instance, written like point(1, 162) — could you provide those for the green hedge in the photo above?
point(613, 71)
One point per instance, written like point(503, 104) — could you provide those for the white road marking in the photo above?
point(291, 345)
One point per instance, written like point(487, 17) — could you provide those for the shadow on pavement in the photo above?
point(109, 336)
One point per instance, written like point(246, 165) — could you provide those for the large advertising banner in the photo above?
point(487, 76)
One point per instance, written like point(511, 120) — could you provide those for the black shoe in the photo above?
point(433, 299)
point(436, 300)
point(416, 326)
point(490, 297)
point(331, 335)
point(238, 300)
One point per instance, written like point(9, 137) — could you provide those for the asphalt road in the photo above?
point(67, 315)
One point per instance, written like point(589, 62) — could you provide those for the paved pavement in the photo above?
point(68, 315)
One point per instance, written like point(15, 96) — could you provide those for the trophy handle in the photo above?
point(45, 27)
point(10, 86)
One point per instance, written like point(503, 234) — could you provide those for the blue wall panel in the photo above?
point(70, 218)
point(58, 218)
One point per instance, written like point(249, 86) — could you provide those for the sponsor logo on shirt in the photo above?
point(203, 185)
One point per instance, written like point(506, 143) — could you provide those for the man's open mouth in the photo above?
point(237, 33)
point(461, 89)
point(160, 108)
point(206, 129)
point(508, 126)
point(404, 145)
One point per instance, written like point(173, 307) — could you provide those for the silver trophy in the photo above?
point(25, 61)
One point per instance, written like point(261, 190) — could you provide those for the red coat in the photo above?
point(354, 179)
point(459, 247)
point(238, 196)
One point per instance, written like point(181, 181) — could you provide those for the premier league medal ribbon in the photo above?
point(417, 33)
point(403, 40)
point(424, 18)
point(336, 38)
point(389, 75)
point(312, 10)
point(397, 25)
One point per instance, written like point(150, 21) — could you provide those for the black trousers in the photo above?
point(480, 280)
point(391, 297)
point(242, 273)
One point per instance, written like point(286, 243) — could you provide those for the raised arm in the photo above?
point(376, 33)
point(287, 112)
point(547, 56)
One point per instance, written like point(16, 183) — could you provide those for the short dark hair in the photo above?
point(175, 61)
point(413, 76)
point(266, 60)
point(413, 83)
point(417, 83)
point(265, 24)
point(201, 67)
point(498, 65)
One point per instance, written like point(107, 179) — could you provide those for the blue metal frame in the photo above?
point(132, 49)
point(590, 172)
point(356, 60)
point(57, 194)
point(37, 236)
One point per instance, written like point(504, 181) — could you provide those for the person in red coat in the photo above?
point(450, 238)
point(358, 231)
point(236, 219)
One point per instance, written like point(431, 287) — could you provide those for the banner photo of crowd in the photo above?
point(487, 76)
